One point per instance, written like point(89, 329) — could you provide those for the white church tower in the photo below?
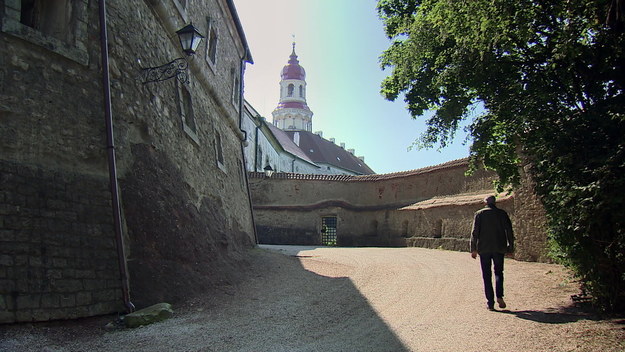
point(292, 113)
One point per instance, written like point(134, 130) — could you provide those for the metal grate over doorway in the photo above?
point(328, 231)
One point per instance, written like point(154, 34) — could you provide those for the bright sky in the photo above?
point(338, 42)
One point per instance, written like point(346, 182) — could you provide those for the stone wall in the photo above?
point(431, 207)
point(185, 206)
point(57, 249)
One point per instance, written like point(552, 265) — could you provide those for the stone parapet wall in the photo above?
point(57, 249)
point(431, 207)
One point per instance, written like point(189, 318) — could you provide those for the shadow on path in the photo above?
point(562, 315)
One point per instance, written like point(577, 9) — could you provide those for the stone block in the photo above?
point(106, 295)
point(6, 260)
point(28, 301)
point(59, 263)
point(68, 300)
point(50, 301)
point(93, 285)
point(7, 235)
point(68, 285)
point(32, 261)
point(149, 315)
point(83, 298)
point(7, 317)
point(41, 315)
point(84, 274)
point(106, 308)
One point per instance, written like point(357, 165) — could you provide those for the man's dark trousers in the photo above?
point(497, 259)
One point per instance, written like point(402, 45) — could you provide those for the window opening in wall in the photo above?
point(59, 26)
point(290, 89)
point(181, 6)
point(242, 172)
point(438, 231)
point(328, 231)
point(301, 91)
point(50, 17)
point(187, 116)
point(211, 46)
point(236, 88)
point(404, 229)
point(219, 150)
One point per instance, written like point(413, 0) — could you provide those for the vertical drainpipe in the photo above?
point(247, 184)
point(110, 147)
point(256, 146)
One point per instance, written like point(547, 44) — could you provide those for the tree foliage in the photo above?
point(550, 76)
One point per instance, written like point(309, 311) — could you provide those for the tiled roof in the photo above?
point(321, 150)
point(457, 199)
point(287, 144)
point(364, 178)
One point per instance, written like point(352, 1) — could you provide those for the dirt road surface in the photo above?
point(354, 299)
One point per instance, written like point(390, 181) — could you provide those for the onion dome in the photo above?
point(293, 70)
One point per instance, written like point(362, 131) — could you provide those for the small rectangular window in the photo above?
point(236, 88)
point(60, 26)
point(50, 17)
point(187, 117)
point(219, 150)
point(181, 6)
point(211, 42)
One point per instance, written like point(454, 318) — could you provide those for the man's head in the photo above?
point(490, 200)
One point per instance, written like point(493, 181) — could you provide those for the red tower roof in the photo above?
point(293, 105)
point(293, 70)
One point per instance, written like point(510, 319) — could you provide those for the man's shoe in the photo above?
point(490, 306)
point(501, 302)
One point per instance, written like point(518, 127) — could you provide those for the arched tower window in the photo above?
point(290, 89)
point(301, 91)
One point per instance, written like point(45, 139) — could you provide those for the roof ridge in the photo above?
point(361, 178)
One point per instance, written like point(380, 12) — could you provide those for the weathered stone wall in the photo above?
point(183, 183)
point(57, 252)
point(185, 207)
point(431, 207)
point(57, 244)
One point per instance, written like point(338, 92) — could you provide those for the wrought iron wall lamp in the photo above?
point(190, 39)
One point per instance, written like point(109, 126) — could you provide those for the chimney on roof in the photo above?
point(333, 140)
point(351, 151)
point(296, 138)
point(319, 133)
point(343, 145)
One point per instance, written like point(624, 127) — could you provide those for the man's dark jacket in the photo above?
point(492, 231)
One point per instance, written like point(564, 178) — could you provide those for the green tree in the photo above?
point(550, 78)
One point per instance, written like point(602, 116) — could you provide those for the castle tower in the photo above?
point(292, 112)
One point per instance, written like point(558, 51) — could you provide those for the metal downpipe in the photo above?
point(110, 147)
point(247, 183)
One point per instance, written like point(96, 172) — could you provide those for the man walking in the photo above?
point(492, 238)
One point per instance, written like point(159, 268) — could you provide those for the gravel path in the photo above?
point(354, 299)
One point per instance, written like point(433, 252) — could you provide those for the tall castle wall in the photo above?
point(184, 201)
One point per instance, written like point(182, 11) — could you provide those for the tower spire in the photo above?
point(292, 112)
